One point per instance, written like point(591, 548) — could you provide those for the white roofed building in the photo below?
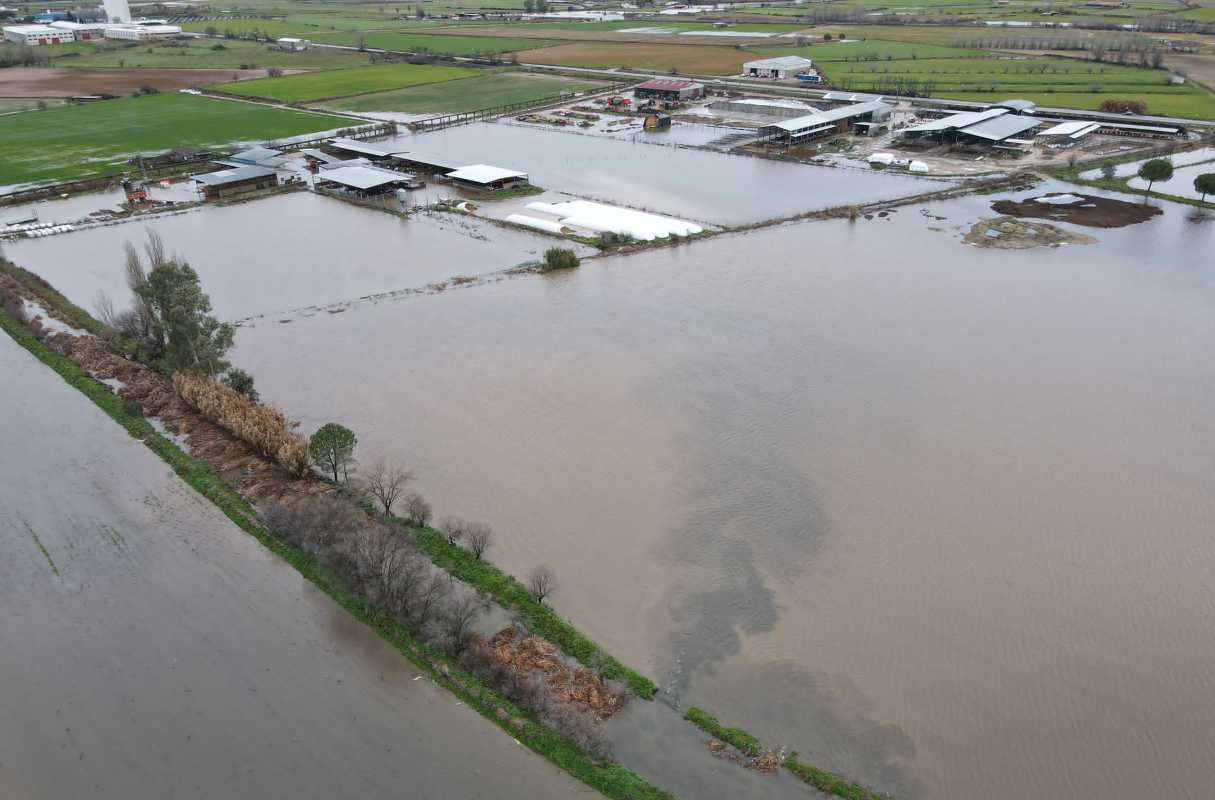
point(1067, 134)
point(484, 176)
point(37, 34)
point(779, 68)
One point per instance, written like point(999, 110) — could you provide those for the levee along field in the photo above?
point(82, 141)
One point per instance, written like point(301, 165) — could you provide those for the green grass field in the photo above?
point(1193, 105)
point(200, 54)
point(303, 25)
point(72, 142)
point(313, 86)
point(412, 43)
point(468, 94)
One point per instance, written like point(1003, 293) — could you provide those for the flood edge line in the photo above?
point(610, 779)
point(749, 744)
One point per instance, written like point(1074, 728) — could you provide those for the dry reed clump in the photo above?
point(263, 428)
point(530, 656)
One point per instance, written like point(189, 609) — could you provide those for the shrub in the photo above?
point(263, 428)
point(559, 258)
point(241, 381)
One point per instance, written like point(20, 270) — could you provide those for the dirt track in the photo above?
point(51, 82)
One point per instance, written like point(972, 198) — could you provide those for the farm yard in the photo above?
point(314, 86)
point(73, 142)
point(468, 94)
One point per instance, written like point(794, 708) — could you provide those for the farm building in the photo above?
point(83, 31)
point(850, 97)
point(487, 178)
point(292, 44)
point(1066, 134)
point(995, 127)
point(657, 121)
point(864, 117)
point(423, 162)
point(768, 107)
point(360, 149)
point(669, 90)
point(1142, 131)
point(239, 180)
point(141, 33)
point(363, 180)
point(779, 68)
point(37, 34)
point(254, 156)
point(1017, 106)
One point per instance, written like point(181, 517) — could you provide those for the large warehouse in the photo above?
point(36, 34)
point(864, 117)
point(995, 127)
point(669, 90)
point(779, 68)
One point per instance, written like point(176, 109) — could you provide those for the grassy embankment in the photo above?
point(468, 94)
point(1122, 183)
point(612, 779)
point(315, 86)
point(747, 743)
point(97, 139)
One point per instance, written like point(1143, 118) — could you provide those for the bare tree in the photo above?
point(429, 598)
point(386, 482)
point(452, 528)
point(479, 537)
point(457, 622)
point(417, 509)
point(541, 583)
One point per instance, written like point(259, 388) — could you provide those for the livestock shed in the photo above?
point(424, 162)
point(236, 181)
point(995, 127)
point(82, 31)
point(141, 33)
point(779, 68)
point(1142, 131)
point(1066, 134)
point(864, 117)
point(850, 97)
point(1017, 106)
point(363, 180)
point(256, 156)
point(486, 177)
point(360, 149)
point(669, 90)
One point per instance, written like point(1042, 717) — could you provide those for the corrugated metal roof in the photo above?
point(956, 121)
point(997, 129)
point(668, 85)
point(850, 97)
point(1071, 129)
point(780, 62)
point(355, 146)
point(225, 176)
point(828, 117)
point(363, 177)
point(484, 173)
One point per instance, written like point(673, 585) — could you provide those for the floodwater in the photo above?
point(285, 253)
point(1182, 182)
point(153, 649)
point(687, 183)
point(935, 516)
point(1178, 160)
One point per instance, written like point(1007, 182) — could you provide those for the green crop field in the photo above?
point(202, 54)
point(413, 43)
point(1192, 105)
point(72, 142)
point(302, 25)
point(313, 86)
point(468, 94)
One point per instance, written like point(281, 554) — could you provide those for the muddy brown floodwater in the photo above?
point(149, 648)
point(935, 516)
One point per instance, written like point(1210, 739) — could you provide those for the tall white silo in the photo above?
point(117, 10)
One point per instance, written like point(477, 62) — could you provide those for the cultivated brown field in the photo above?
point(50, 82)
point(695, 60)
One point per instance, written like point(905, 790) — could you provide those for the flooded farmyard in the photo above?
point(933, 515)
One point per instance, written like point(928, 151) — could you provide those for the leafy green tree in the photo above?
point(332, 449)
point(171, 316)
point(1109, 171)
point(1158, 169)
point(241, 381)
point(1205, 184)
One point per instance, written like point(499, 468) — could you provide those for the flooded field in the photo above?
point(1182, 182)
point(1178, 160)
point(935, 516)
point(153, 649)
point(692, 184)
point(285, 253)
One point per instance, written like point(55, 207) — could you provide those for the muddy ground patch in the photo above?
point(1078, 209)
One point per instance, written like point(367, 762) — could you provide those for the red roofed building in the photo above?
point(666, 89)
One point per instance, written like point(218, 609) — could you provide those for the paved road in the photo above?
point(149, 648)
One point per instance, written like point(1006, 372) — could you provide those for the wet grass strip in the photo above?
point(820, 779)
point(609, 778)
point(543, 621)
point(708, 723)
